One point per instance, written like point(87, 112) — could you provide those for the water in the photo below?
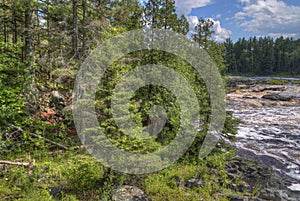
point(270, 130)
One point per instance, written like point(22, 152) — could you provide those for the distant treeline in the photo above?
point(263, 56)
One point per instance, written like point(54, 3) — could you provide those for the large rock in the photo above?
point(129, 193)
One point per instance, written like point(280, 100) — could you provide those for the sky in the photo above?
point(245, 18)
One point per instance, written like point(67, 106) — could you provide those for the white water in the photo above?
point(270, 134)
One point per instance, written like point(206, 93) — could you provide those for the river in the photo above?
point(269, 131)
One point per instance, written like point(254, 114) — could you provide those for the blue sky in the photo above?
point(245, 18)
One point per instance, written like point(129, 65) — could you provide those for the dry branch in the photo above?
point(29, 164)
point(24, 164)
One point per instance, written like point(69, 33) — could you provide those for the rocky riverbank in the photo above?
point(269, 133)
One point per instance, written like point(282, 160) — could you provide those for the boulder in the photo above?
point(129, 193)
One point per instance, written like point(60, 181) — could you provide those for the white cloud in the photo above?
point(193, 20)
point(221, 33)
point(184, 7)
point(244, 1)
point(270, 17)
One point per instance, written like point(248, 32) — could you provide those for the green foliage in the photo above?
point(278, 82)
point(263, 56)
point(12, 79)
point(161, 14)
point(165, 186)
point(203, 33)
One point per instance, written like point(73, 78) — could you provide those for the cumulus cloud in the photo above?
point(184, 7)
point(270, 17)
point(221, 33)
point(193, 21)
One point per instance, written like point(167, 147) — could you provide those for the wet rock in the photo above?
point(129, 193)
point(277, 97)
point(253, 175)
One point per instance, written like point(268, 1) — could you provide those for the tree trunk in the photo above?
point(5, 31)
point(75, 29)
point(38, 34)
point(28, 49)
point(31, 91)
point(15, 34)
point(84, 27)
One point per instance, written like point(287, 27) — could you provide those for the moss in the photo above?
point(277, 82)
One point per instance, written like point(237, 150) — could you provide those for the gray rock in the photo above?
point(194, 183)
point(273, 194)
point(57, 98)
point(277, 97)
point(129, 193)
